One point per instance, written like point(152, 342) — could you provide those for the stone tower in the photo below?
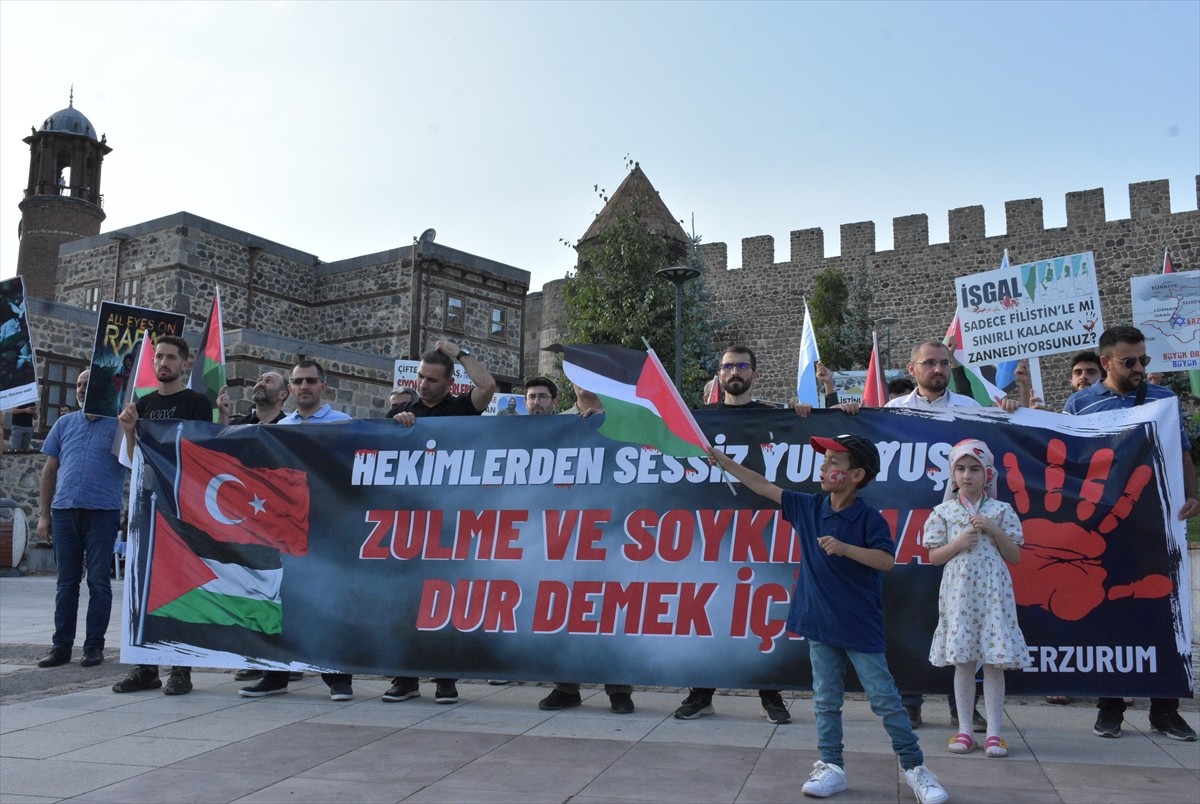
point(62, 200)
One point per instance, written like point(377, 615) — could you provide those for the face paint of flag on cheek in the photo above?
point(836, 476)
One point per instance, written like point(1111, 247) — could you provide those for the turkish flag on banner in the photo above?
point(235, 503)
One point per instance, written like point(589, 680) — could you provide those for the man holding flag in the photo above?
point(171, 401)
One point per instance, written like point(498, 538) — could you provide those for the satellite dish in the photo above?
point(427, 236)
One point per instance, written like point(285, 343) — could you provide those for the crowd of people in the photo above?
point(846, 544)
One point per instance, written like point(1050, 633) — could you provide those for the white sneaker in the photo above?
point(925, 785)
point(824, 781)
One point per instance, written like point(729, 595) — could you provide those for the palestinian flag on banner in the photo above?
point(196, 579)
point(981, 390)
point(208, 369)
point(237, 504)
point(641, 405)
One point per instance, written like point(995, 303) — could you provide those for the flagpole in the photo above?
point(143, 597)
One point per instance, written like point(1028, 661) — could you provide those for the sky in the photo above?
point(343, 129)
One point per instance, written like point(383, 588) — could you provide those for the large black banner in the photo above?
point(535, 548)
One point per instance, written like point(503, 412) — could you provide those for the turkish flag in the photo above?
point(235, 503)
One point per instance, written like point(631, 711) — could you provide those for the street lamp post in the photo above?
point(886, 322)
point(677, 275)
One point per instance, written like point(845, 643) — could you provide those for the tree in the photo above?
point(841, 312)
point(614, 297)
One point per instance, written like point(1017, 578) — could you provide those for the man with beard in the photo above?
point(435, 375)
point(736, 374)
point(268, 396)
point(309, 387)
point(172, 400)
point(930, 367)
point(1123, 358)
point(541, 395)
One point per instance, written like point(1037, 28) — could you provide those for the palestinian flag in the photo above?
point(981, 389)
point(144, 379)
point(208, 370)
point(196, 579)
point(641, 405)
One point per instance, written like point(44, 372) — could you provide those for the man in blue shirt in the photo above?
point(79, 513)
point(308, 387)
point(1124, 360)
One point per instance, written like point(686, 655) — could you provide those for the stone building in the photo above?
point(914, 280)
point(356, 316)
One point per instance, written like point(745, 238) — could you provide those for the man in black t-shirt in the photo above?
point(172, 400)
point(268, 396)
point(434, 376)
point(737, 373)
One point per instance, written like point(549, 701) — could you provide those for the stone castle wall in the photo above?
point(914, 281)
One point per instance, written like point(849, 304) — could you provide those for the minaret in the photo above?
point(62, 200)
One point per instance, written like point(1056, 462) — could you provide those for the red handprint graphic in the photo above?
point(1061, 569)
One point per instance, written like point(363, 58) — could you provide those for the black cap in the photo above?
point(863, 454)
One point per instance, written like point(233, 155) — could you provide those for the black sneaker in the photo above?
point(142, 677)
point(446, 693)
point(914, 715)
point(774, 709)
point(247, 675)
point(402, 689)
point(341, 691)
point(1174, 726)
point(295, 675)
point(621, 703)
point(265, 687)
point(92, 657)
point(557, 699)
point(179, 682)
point(55, 657)
point(1107, 725)
point(694, 706)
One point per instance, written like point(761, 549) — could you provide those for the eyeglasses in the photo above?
point(732, 366)
point(932, 364)
point(305, 381)
point(538, 396)
point(1130, 362)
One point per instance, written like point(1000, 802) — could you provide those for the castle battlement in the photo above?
point(913, 282)
point(910, 233)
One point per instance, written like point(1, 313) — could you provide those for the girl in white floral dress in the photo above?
point(974, 534)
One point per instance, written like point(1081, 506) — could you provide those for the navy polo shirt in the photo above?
point(837, 600)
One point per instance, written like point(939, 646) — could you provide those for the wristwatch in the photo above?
point(463, 352)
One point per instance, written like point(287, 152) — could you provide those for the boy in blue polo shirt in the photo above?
point(837, 605)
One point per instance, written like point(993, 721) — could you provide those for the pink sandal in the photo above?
point(996, 747)
point(962, 743)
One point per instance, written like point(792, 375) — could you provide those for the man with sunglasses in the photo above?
point(1123, 358)
point(308, 386)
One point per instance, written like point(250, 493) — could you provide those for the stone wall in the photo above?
point(914, 280)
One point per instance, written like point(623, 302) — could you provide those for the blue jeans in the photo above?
point(82, 537)
point(829, 686)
